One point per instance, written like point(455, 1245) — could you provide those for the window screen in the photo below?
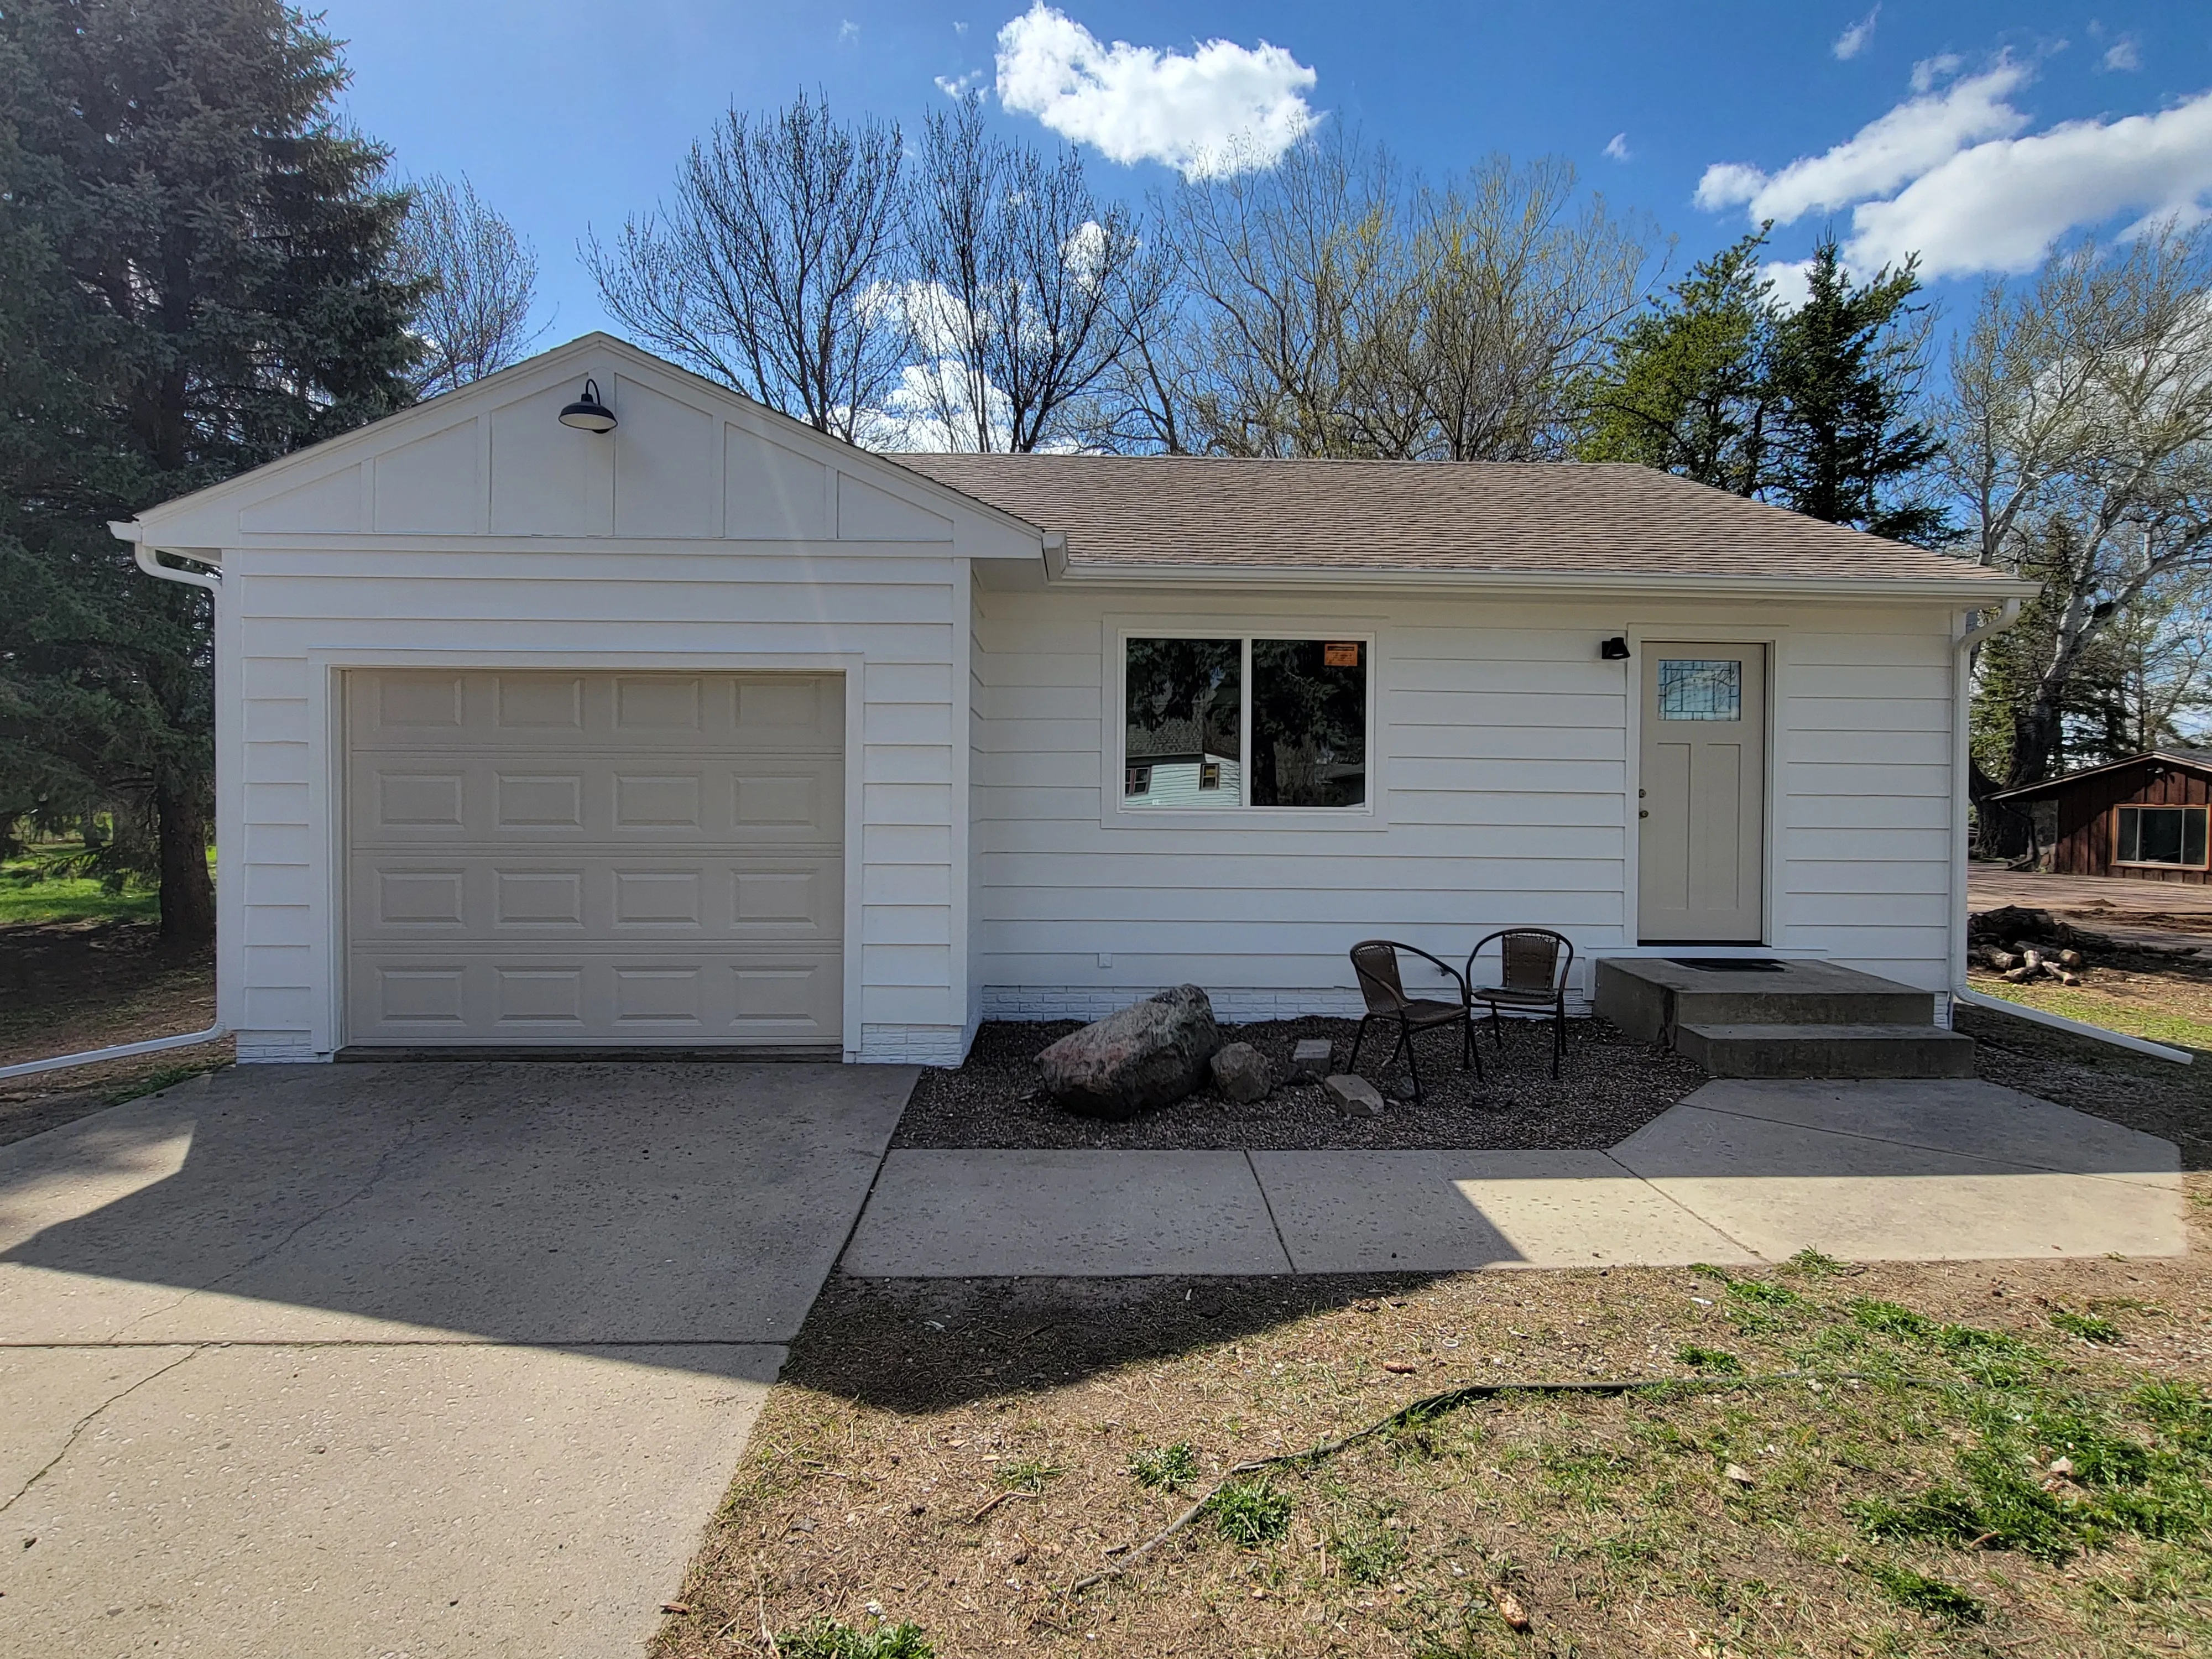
point(2162, 835)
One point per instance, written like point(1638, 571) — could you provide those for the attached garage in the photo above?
point(535, 736)
point(560, 859)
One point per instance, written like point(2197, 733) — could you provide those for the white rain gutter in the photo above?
point(212, 582)
point(1960, 990)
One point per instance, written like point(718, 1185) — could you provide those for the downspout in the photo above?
point(211, 582)
point(1962, 691)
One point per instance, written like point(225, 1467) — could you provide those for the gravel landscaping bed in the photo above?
point(1608, 1088)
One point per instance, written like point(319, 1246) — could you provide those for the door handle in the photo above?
point(1643, 812)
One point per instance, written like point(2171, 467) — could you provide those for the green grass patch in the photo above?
point(25, 903)
point(1719, 1361)
point(1165, 1467)
point(2179, 1030)
point(1761, 1293)
point(1929, 1596)
point(828, 1639)
point(1369, 1555)
point(1813, 1264)
point(1249, 1513)
point(2088, 1327)
point(1027, 1475)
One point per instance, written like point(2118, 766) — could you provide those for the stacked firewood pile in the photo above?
point(2021, 944)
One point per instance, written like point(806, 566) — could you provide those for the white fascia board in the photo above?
point(1986, 591)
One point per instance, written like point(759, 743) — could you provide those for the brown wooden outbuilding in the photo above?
point(2145, 817)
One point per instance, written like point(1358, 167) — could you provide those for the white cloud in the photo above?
point(1916, 137)
point(1616, 147)
point(847, 32)
point(1929, 70)
point(960, 29)
point(2124, 54)
point(1219, 109)
point(958, 86)
point(1998, 206)
point(1791, 279)
point(1853, 40)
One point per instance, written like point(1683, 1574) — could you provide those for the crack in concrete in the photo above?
point(414, 1125)
point(191, 1351)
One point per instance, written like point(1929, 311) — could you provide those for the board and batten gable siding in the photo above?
point(1503, 778)
point(704, 535)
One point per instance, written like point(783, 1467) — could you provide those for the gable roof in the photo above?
point(689, 460)
point(1163, 513)
point(2195, 760)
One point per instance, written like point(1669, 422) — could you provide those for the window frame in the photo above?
point(2205, 839)
point(1244, 629)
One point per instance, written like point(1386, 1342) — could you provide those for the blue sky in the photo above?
point(1974, 131)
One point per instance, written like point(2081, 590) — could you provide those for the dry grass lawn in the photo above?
point(1998, 1458)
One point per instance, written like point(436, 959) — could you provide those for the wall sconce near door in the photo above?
point(1612, 650)
point(587, 413)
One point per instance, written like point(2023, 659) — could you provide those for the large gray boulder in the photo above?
point(1148, 1055)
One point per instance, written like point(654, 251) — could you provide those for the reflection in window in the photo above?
point(1183, 743)
point(1309, 723)
point(1184, 734)
point(1698, 690)
point(2162, 835)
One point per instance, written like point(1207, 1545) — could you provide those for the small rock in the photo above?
point(1398, 1368)
point(2064, 1465)
point(1737, 1472)
point(1403, 1089)
point(1354, 1095)
point(1241, 1074)
point(1311, 1058)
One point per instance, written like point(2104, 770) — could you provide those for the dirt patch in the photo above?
point(67, 986)
point(1608, 1088)
point(958, 1454)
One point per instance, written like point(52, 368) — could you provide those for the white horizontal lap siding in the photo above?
point(896, 610)
point(1864, 758)
point(1501, 764)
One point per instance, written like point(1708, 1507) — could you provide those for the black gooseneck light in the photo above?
point(587, 413)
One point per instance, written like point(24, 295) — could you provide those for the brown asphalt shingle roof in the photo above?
point(1492, 517)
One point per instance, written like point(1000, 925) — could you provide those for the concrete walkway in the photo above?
point(1740, 1171)
point(414, 1360)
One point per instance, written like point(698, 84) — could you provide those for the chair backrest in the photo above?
point(1374, 962)
point(1531, 959)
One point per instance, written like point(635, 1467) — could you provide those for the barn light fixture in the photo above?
point(587, 413)
point(1612, 650)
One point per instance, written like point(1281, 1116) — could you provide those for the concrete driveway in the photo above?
point(403, 1361)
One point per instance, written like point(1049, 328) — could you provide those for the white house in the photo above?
point(708, 730)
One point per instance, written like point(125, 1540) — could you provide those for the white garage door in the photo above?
point(613, 860)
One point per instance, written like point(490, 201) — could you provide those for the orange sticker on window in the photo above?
point(1335, 655)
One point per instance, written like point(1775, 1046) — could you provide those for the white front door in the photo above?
point(1701, 816)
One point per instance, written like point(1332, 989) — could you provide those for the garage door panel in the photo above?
point(401, 896)
point(456, 711)
point(603, 857)
point(505, 799)
point(520, 999)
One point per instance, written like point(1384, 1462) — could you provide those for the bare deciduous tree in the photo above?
point(480, 280)
point(1023, 288)
point(2080, 433)
point(770, 269)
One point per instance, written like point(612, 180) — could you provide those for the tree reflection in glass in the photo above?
point(1183, 743)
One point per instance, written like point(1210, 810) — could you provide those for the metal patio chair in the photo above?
point(1375, 962)
point(1534, 963)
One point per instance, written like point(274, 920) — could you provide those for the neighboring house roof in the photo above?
point(1533, 519)
point(2196, 760)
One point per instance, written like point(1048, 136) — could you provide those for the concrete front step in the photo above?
point(1763, 1050)
point(1650, 996)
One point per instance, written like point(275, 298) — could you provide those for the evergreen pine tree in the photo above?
point(1843, 376)
point(1685, 388)
point(194, 260)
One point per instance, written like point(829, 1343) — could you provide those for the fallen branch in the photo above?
point(1011, 1492)
point(1436, 1405)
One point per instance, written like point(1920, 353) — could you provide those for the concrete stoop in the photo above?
point(1773, 1019)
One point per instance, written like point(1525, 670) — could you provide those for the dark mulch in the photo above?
point(66, 986)
point(2154, 1096)
point(1608, 1089)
